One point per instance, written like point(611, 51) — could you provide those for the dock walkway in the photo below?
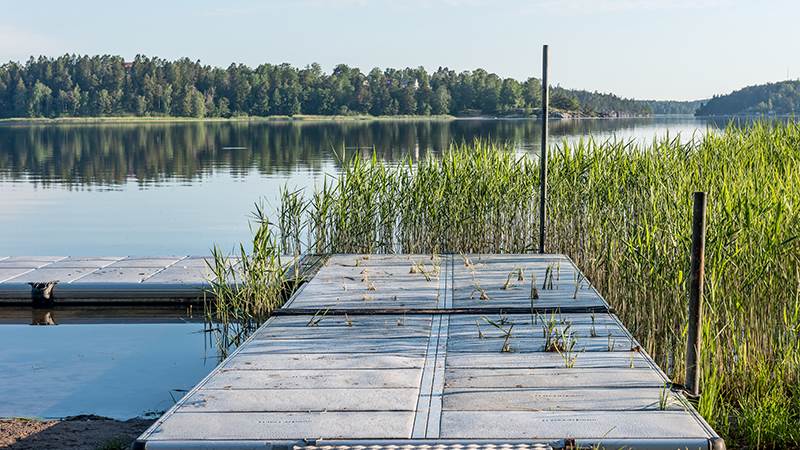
point(106, 279)
point(410, 352)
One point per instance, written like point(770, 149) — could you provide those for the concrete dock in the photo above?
point(106, 279)
point(413, 351)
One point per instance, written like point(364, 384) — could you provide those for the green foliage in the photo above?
point(107, 85)
point(246, 287)
point(662, 107)
point(623, 213)
point(563, 100)
point(771, 98)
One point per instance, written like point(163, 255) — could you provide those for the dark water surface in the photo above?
point(165, 189)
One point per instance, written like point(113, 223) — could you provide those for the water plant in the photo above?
point(514, 274)
point(245, 289)
point(419, 267)
point(477, 289)
point(317, 317)
point(578, 283)
point(622, 211)
point(534, 291)
point(664, 397)
point(507, 332)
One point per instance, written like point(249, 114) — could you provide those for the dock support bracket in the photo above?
point(43, 293)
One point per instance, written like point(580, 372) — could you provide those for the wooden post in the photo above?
point(696, 281)
point(543, 157)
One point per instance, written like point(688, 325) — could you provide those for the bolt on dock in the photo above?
point(509, 352)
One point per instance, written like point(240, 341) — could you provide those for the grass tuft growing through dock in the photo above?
point(622, 211)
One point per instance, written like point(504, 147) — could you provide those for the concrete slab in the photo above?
point(108, 279)
point(414, 346)
point(96, 262)
point(284, 425)
point(315, 379)
point(571, 424)
point(323, 361)
point(62, 275)
point(496, 360)
point(28, 262)
point(8, 273)
point(553, 378)
point(120, 274)
point(352, 282)
point(288, 400)
point(384, 379)
point(148, 261)
point(542, 399)
point(493, 281)
point(182, 274)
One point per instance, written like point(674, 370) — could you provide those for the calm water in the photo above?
point(157, 189)
point(113, 363)
point(178, 189)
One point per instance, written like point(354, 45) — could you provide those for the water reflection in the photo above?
point(181, 188)
point(42, 317)
point(114, 154)
point(118, 363)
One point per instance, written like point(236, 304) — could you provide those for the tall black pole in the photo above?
point(543, 158)
point(696, 281)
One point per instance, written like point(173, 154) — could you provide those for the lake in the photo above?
point(165, 189)
point(112, 362)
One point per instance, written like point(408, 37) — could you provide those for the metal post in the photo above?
point(696, 280)
point(543, 158)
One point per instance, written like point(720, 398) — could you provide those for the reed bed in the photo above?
point(247, 287)
point(622, 211)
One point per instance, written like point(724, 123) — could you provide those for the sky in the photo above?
point(647, 49)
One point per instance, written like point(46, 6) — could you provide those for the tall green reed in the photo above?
point(247, 287)
point(622, 211)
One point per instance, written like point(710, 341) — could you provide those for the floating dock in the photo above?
point(412, 352)
point(106, 279)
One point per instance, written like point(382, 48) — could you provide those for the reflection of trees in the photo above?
point(112, 153)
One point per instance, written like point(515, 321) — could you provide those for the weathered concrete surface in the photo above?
point(107, 279)
point(360, 371)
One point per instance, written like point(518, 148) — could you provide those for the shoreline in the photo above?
point(241, 119)
point(79, 432)
point(124, 120)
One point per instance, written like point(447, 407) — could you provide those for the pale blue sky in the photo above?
point(679, 49)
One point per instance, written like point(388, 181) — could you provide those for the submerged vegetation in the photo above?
point(623, 213)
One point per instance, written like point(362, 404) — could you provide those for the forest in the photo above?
point(772, 98)
point(98, 86)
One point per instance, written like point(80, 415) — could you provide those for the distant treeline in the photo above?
point(772, 98)
point(74, 86)
point(673, 107)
